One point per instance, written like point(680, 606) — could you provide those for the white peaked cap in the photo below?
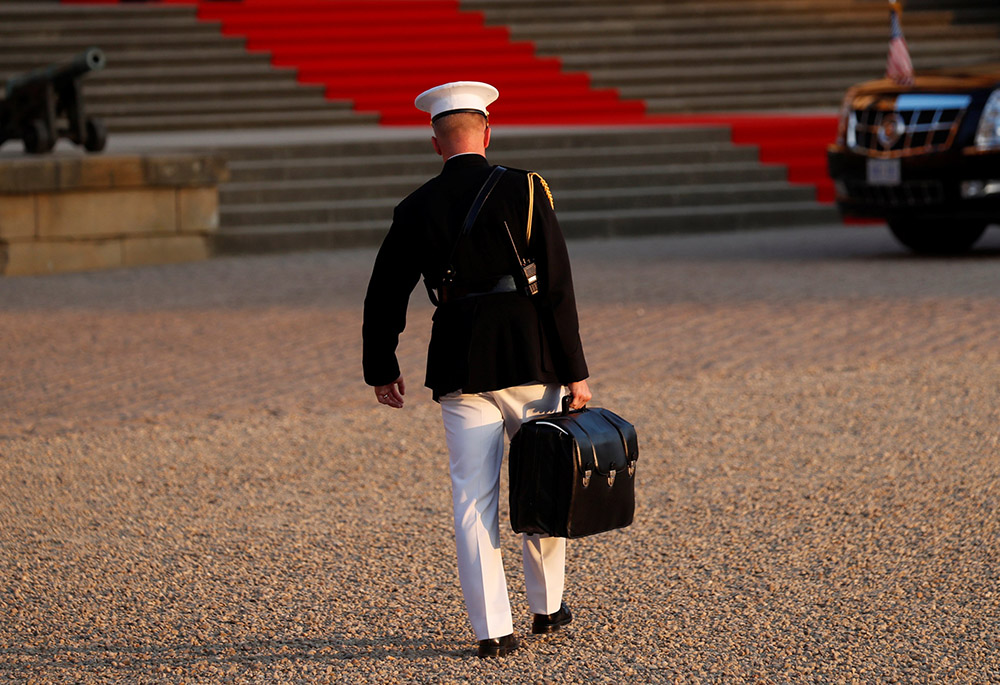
point(459, 96)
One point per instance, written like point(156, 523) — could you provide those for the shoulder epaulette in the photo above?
point(532, 175)
point(545, 186)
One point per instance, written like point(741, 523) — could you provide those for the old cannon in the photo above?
point(46, 104)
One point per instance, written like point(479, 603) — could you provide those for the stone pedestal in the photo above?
point(75, 213)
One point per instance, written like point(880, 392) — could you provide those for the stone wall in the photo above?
point(75, 213)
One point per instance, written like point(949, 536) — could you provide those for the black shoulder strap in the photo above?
point(477, 205)
point(470, 218)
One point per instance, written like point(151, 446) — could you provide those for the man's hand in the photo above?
point(580, 392)
point(392, 394)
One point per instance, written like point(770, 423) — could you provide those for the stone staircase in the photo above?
point(612, 181)
point(728, 55)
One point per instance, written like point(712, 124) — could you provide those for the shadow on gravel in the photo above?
point(151, 659)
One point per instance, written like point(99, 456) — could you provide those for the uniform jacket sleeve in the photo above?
point(558, 303)
point(393, 278)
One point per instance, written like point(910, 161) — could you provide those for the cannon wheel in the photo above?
point(96, 136)
point(37, 138)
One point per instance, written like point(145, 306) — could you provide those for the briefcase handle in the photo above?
point(565, 405)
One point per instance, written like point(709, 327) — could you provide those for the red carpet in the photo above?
point(379, 54)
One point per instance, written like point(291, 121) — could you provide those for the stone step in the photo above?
point(110, 29)
point(282, 237)
point(766, 55)
point(29, 11)
point(651, 158)
point(656, 90)
point(621, 16)
point(598, 178)
point(745, 29)
point(766, 32)
point(223, 55)
point(505, 140)
point(721, 11)
point(211, 73)
point(54, 24)
point(583, 40)
point(850, 70)
point(69, 45)
point(695, 219)
point(196, 91)
point(193, 74)
point(234, 105)
point(702, 195)
point(752, 102)
point(588, 177)
point(327, 116)
point(683, 7)
point(570, 203)
point(398, 186)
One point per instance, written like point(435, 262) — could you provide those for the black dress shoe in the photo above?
point(497, 646)
point(550, 623)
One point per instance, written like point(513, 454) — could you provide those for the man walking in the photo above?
point(504, 343)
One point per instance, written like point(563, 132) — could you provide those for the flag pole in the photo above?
point(899, 67)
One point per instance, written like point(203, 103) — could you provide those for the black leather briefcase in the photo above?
point(573, 474)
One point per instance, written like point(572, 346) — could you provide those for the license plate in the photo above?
point(884, 172)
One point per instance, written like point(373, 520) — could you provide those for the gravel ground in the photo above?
point(197, 487)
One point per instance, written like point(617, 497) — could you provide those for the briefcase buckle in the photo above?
point(611, 477)
point(586, 477)
point(631, 469)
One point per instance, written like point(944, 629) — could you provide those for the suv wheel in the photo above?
point(936, 237)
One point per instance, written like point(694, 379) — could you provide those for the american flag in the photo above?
point(899, 68)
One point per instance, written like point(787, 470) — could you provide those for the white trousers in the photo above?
point(474, 427)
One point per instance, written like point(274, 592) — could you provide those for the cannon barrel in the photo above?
point(91, 59)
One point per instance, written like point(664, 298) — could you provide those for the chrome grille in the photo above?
point(908, 125)
point(908, 194)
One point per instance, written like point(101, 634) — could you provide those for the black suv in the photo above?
point(926, 157)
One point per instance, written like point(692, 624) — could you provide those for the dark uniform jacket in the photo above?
point(487, 342)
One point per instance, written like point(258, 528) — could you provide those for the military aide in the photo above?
point(501, 351)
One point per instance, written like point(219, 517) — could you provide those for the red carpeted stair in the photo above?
point(381, 53)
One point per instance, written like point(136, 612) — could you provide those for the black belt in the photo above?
point(455, 292)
